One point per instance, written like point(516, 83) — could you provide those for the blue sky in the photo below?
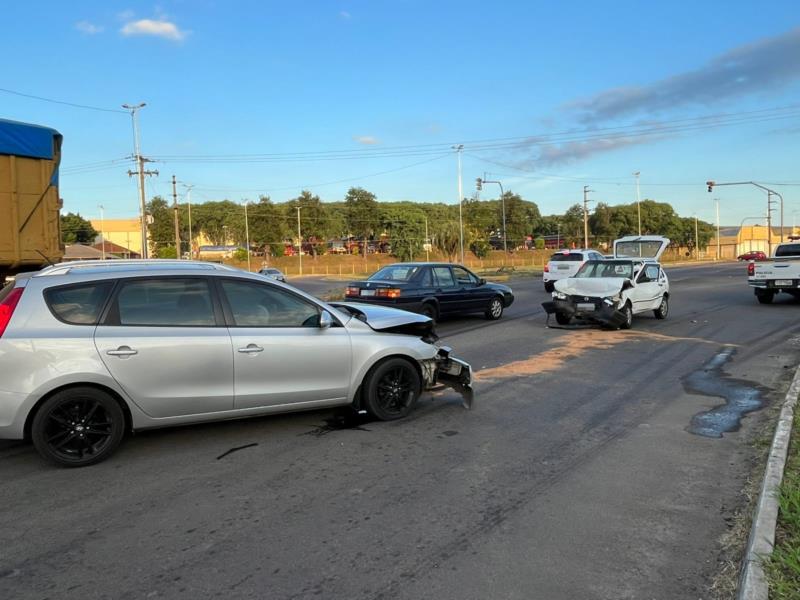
point(394, 84)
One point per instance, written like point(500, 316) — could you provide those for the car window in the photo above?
point(79, 304)
point(166, 302)
point(464, 277)
point(395, 273)
point(570, 257)
point(604, 268)
point(788, 250)
point(426, 280)
point(652, 272)
point(444, 277)
point(259, 305)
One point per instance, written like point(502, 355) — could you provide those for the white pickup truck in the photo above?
point(779, 274)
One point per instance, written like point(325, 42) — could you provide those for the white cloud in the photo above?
point(157, 28)
point(367, 140)
point(345, 15)
point(88, 28)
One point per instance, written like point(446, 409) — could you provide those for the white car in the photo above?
point(272, 273)
point(565, 263)
point(611, 291)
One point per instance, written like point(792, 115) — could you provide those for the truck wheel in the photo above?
point(627, 313)
point(563, 318)
point(391, 389)
point(548, 287)
point(765, 297)
point(77, 427)
point(663, 309)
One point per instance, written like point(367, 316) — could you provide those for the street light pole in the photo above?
point(638, 202)
point(503, 204)
point(770, 193)
point(586, 191)
point(299, 242)
point(696, 240)
point(189, 203)
point(427, 242)
point(140, 168)
point(459, 148)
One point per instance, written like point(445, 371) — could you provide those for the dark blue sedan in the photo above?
point(432, 289)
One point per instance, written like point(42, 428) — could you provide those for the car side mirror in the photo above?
point(325, 320)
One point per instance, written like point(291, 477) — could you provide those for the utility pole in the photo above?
point(696, 240)
point(719, 254)
point(299, 242)
point(638, 203)
point(586, 191)
point(177, 224)
point(459, 148)
point(140, 160)
point(189, 202)
point(247, 235)
point(769, 222)
point(503, 204)
point(103, 228)
point(427, 242)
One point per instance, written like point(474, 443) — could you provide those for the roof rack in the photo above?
point(131, 264)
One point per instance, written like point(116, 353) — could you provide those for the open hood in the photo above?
point(389, 320)
point(649, 247)
point(599, 287)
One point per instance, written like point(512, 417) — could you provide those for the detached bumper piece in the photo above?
point(601, 313)
point(447, 371)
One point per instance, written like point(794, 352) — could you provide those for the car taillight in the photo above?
point(547, 268)
point(388, 292)
point(7, 307)
point(352, 291)
point(751, 268)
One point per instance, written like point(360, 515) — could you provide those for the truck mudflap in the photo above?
point(445, 371)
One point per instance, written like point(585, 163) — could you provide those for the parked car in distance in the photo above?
point(432, 289)
point(752, 255)
point(272, 273)
point(565, 263)
point(91, 350)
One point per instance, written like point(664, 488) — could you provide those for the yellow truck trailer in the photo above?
point(30, 230)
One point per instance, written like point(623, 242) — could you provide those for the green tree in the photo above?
point(406, 228)
point(314, 222)
point(268, 226)
point(77, 230)
point(362, 216)
point(522, 218)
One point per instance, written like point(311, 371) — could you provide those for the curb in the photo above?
point(753, 583)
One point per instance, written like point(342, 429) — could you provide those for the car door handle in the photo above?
point(122, 351)
point(251, 349)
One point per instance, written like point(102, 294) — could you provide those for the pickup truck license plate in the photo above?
point(367, 292)
point(783, 283)
point(585, 306)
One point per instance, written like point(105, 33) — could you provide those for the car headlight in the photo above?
point(611, 300)
point(559, 296)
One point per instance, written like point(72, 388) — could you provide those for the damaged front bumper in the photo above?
point(444, 371)
point(600, 312)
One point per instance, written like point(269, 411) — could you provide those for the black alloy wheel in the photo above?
point(392, 389)
point(78, 427)
point(495, 310)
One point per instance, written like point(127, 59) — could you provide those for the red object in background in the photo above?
point(752, 255)
point(751, 269)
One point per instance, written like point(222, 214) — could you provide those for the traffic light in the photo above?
point(710, 185)
point(479, 184)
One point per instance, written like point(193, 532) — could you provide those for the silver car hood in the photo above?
point(381, 318)
point(591, 286)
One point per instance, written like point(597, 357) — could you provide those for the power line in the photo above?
point(73, 104)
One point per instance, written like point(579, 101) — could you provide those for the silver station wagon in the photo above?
point(92, 350)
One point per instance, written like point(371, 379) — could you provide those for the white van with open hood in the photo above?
point(611, 291)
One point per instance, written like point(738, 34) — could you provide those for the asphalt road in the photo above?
point(574, 476)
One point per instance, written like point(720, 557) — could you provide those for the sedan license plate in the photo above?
point(585, 306)
point(783, 283)
point(367, 292)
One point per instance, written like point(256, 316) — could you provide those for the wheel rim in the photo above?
point(496, 308)
point(78, 429)
point(664, 307)
point(628, 315)
point(395, 390)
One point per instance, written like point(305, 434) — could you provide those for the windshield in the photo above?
point(606, 268)
point(395, 273)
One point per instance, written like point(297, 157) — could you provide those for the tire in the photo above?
point(495, 310)
point(627, 311)
point(563, 319)
point(549, 287)
point(663, 309)
point(766, 297)
point(78, 427)
point(391, 389)
point(429, 310)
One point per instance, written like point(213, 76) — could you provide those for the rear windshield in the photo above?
point(79, 304)
point(395, 273)
point(788, 250)
point(571, 257)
